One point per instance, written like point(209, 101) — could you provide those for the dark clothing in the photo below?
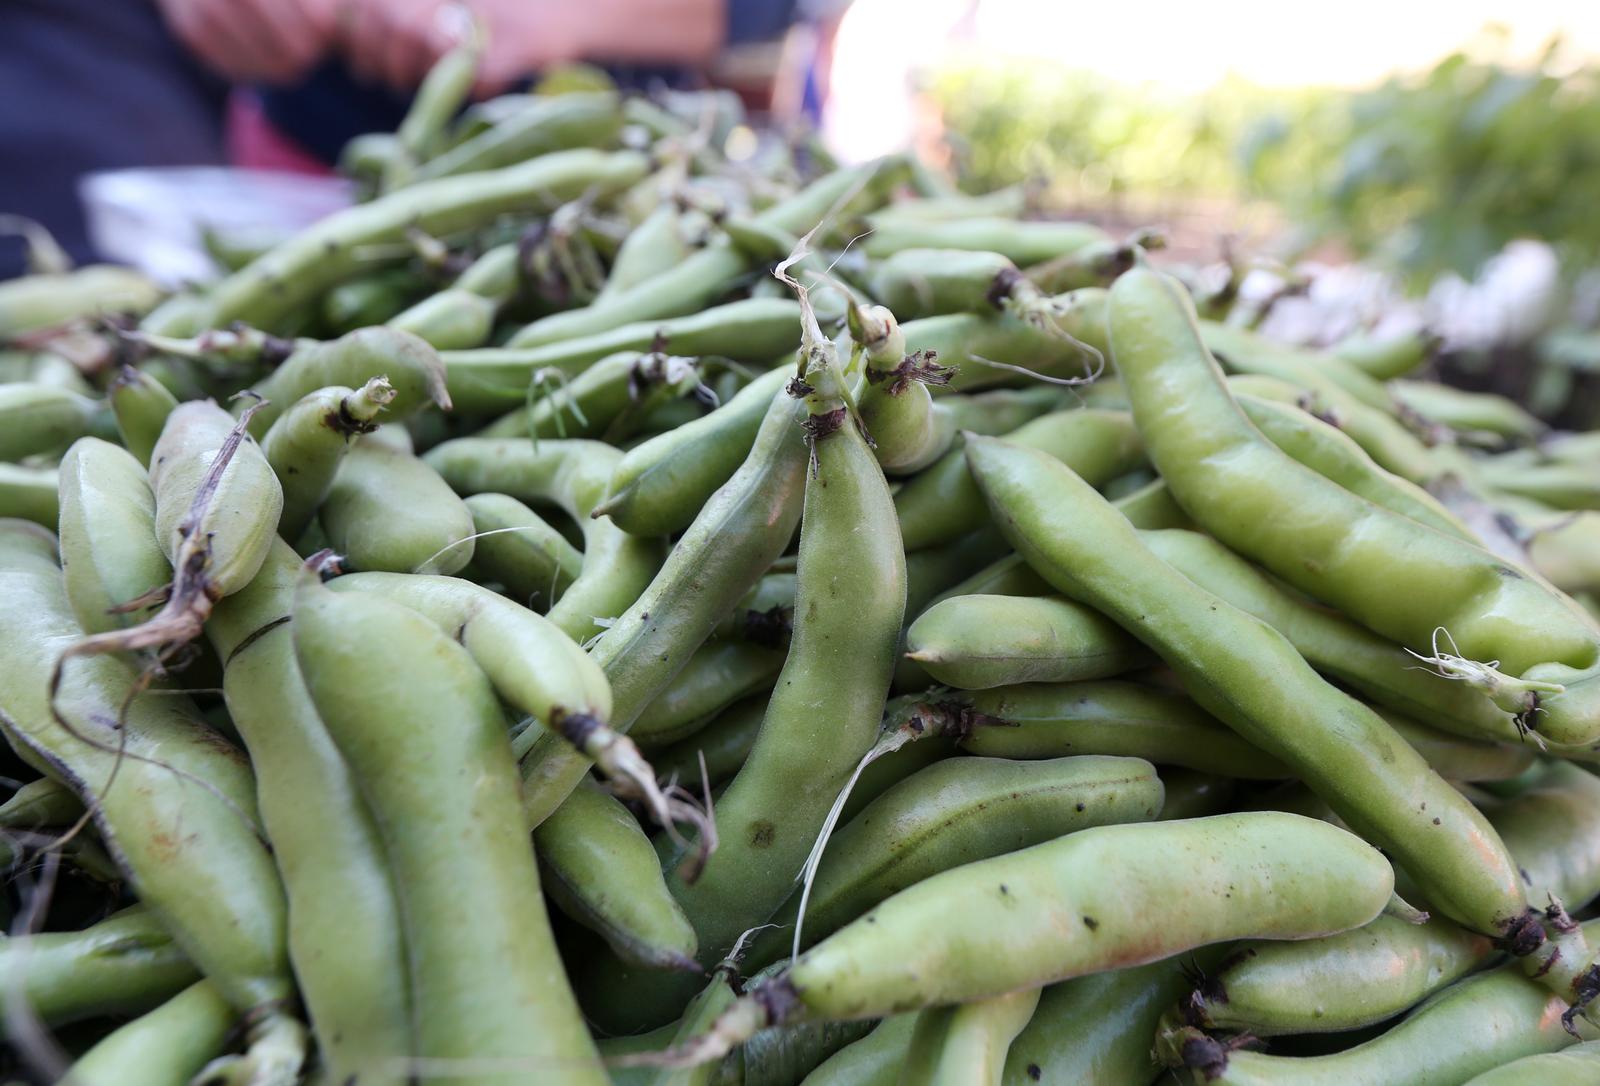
point(91, 85)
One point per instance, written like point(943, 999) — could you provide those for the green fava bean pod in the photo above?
point(1553, 831)
point(1346, 981)
point(1388, 357)
point(451, 320)
point(440, 96)
point(1037, 916)
point(908, 433)
point(308, 442)
point(951, 813)
point(572, 475)
point(631, 909)
point(1471, 1027)
point(170, 1044)
point(388, 511)
point(824, 713)
point(1020, 242)
point(661, 484)
point(1479, 412)
point(175, 780)
point(275, 285)
point(123, 965)
point(707, 274)
point(1049, 720)
point(717, 675)
point(542, 127)
point(140, 405)
point(1333, 455)
point(732, 542)
point(216, 513)
point(1575, 1066)
point(1340, 748)
point(1392, 574)
point(33, 302)
point(446, 805)
point(966, 1045)
point(43, 802)
point(29, 494)
point(1560, 486)
point(409, 364)
point(533, 666)
point(1375, 667)
point(1249, 352)
point(344, 918)
point(979, 642)
point(605, 401)
point(724, 743)
point(109, 551)
point(1095, 1030)
point(517, 548)
point(496, 379)
point(875, 1060)
point(38, 419)
point(966, 342)
point(944, 503)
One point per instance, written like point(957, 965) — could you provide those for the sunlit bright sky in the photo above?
point(1182, 46)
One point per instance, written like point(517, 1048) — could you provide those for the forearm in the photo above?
point(687, 32)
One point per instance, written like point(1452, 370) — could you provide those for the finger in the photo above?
point(410, 49)
point(364, 28)
point(297, 39)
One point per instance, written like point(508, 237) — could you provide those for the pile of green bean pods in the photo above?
point(601, 611)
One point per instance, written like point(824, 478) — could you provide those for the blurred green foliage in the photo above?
point(1425, 173)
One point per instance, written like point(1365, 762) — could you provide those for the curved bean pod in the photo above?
point(875, 1060)
point(446, 805)
point(172, 1043)
point(661, 484)
point(754, 330)
point(29, 494)
point(1021, 242)
point(516, 547)
point(1390, 573)
point(305, 446)
point(980, 642)
point(123, 965)
point(270, 288)
point(1471, 1027)
point(717, 675)
point(344, 930)
point(592, 832)
point(37, 419)
point(388, 511)
point(1345, 752)
point(1032, 917)
point(955, 812)
point(141, 405)
point(162, 776)
point(1345, 981)
point(1045, 720)
point(966, 1045)
point(409, 364)
point(109, 553)
point(1575, 1066)
point(944, 503)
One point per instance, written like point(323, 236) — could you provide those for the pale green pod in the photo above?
point(389, 511)
point(238, 510)
point(163, 1047)
point(602, 871)
point(308, 442)
point(966, 1045)
point(141, 405)
point(38, 419)
point(982, 641)
point(1575, 1066)
point(109, 550)
point(875, 1060)
point(123, 965)
point(519, 549)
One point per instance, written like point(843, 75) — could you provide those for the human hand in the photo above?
point(397, 41)
point(271, 41)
